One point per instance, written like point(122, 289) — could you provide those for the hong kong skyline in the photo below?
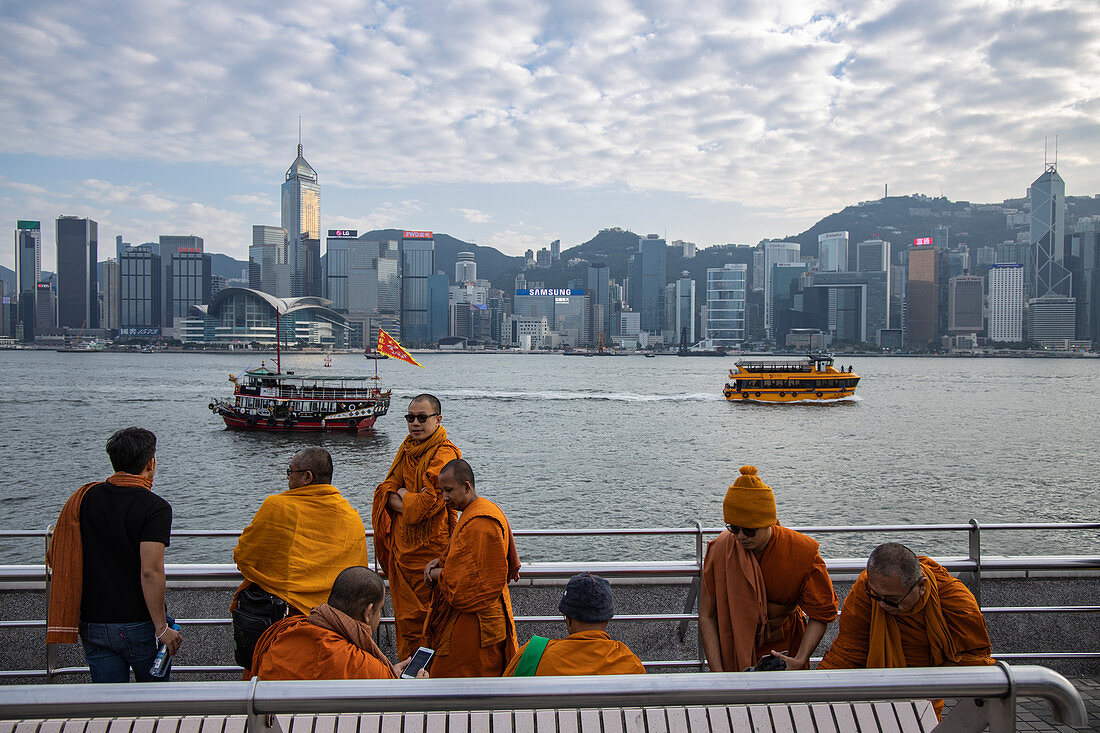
point(514, 124)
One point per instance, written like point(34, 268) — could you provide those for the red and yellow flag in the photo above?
point(388, 345)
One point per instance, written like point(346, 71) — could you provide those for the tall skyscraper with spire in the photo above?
point(1048, 230)
point(301, 219)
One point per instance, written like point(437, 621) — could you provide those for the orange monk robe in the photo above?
point(296, 649)
point(944, 628)
point(470, 622)
point(406, 541)
point(795, 582)
point(298, 542)
point(585, 652)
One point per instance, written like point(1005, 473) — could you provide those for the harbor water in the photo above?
point(591, 442)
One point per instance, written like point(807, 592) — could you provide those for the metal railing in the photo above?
point(970, 567)
point(987, 695)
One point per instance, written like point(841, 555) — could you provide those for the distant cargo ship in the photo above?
point(809, 378)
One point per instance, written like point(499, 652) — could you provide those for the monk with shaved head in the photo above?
point(335, 641)
point(412, 522)
point(908, 611)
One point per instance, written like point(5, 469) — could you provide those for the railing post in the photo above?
point(51, 649)
point(974, 536)
point(259, 722)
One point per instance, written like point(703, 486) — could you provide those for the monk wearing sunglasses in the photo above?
point(412, 522)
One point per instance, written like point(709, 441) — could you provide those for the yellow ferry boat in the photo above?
point(809, 378)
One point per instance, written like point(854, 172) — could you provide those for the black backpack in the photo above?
point(256, 610)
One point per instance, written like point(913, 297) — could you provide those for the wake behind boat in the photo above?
point(809, 378)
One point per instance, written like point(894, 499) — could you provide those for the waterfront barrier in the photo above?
point(986, 698)
point(658, 599)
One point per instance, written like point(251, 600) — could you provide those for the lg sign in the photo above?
point(921, 241)
point(418, 235)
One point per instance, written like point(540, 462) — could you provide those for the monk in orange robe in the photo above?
point(765, 588)
point(588, 607)
point(335, 641)
point(908, 611)
point(470, 624)
point(412, 522)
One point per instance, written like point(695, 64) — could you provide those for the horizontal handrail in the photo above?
point(224, 572)
point(614, 531)
point(615, 691)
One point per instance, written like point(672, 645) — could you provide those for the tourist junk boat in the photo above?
point(274, 400)
point(809, 378)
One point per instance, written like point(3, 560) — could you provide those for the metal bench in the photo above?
point(894, 700)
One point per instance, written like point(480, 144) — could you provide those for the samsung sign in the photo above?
point(560, 292)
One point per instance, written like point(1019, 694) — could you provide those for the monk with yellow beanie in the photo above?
point(765, 587)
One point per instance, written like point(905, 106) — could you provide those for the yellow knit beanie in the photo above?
point(749, 502)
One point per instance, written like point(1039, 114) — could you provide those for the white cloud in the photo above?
point(789, 106)
point(473, 215)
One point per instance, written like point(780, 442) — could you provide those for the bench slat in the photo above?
point(697, 720)
point(458, 723)
point(567, 721)
point(590, 721)
point(677, 720)
point(655, 720)
point(803, 720)
point(524, 721)
point(323, 724)
point(502, 722)
point(546, 721)
point(479, 722)
point(887, 717)
point(634, 719)
point(612, 720)
point(761, 719)
point(414, 723)
point(845, 717)
point(907, 718)
point(781, 719)
point(865, 716)
point(927, 714)
point(391, 722)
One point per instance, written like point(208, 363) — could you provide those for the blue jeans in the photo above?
point(112, 650)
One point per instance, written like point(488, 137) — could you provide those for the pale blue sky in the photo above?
point(515, 123)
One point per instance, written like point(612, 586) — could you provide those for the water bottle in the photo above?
point(160, 662)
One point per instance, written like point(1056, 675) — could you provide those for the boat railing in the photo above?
point(970, 567)
point(987, 698)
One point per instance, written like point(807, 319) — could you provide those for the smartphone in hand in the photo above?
point(418, 662)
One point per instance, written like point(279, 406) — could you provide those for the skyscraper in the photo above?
point(775, 253)
point(648, 277)
point(141, 295)
point(465, 268)
point(1048, 222)
point(269, 266)
point(725, 324)
point(599, 301)
point(301, 198)
point(77, 286)
point(112, 292)
point(873, 255)
point(832, 252)
point(685, 308)
point(419, 310)
point(922, 296)
point(966, 304)
point(1006, 303)
point(28, 267)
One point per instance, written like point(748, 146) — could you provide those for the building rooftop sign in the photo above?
point(561, 292)
point(25, 224)
point(417, 235)
point(921, 241)
point(344, 233)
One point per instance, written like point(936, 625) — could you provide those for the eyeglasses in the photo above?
point(889, 601)
point(747, 531)
point(419, 418)
point(291, 471)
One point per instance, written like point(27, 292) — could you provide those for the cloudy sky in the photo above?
point(515, 123)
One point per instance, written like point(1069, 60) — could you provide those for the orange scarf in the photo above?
point(422, 453)
point(356, 632)
point(734, 580)
point(65, 563)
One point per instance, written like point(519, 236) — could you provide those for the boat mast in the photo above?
point(278, 345)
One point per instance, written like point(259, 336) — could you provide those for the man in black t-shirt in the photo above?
point(124, 528)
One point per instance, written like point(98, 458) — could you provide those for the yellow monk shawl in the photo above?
point(734, 580)
point(298, 543)
point(65, 563)
point(412, 535)
point(885, 649)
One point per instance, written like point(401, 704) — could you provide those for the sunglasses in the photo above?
point(892, 603)
point(419, 418)
point(291, 471)
point(747, 531)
